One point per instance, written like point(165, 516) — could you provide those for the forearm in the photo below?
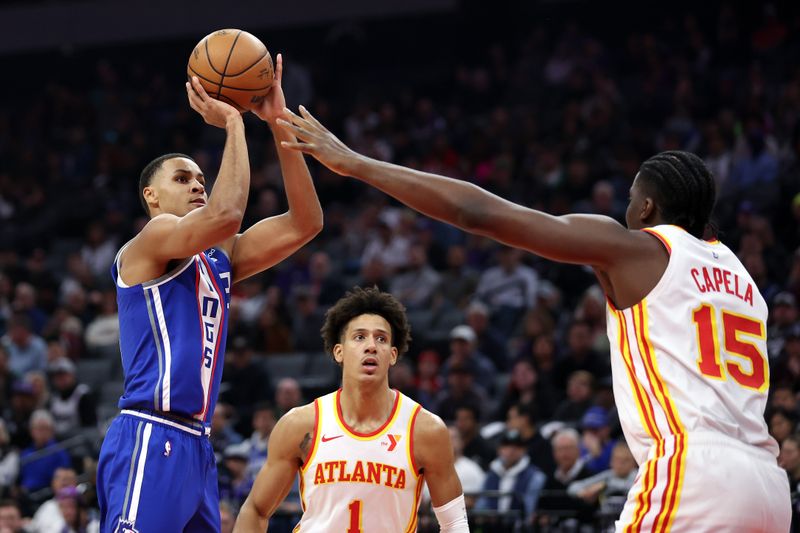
point(304, 206)
point(233, 180)
point(249, 520)
point(453, 201)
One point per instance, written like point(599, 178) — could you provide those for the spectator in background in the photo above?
point(461, 391)
point(787, 366)
point(227, 518)
point(415, 285)
point(781, 395)
point(591, 309)
point(522, 417)
point(387, 246)
point(72, 404)
point(580, 355)
point(428, 381)
point(264, 420)
point(244, 383)
point(523, 388)
point(327, 288)
point(401, 378)
point(26, 350)
point(512, 472)
point(509, 289)
point(48, 517)
point(287, 396)
point(596, 442)
point(10, 517)
point(458, 281)
point(98, 250)
point(102, 333)
point(463, 352)
point(469, 472)
point(23, 404)
point(490, 341)
point(44, 456)
point(608, 490)
point(579, 398)
point(782, 423)
point(569, 468)
point(468, 426)
point(25, 302)
point(6, 380)
point(789, 460)
point(222, 432)
point(307, 320)
point(9, 462)
point(783, 317)
point(234, 481)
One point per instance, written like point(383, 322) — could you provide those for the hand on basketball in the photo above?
point(317, 141)
point(214, 112)
point(271, 108)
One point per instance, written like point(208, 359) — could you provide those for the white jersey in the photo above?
point(691, 357)
point(356, 482)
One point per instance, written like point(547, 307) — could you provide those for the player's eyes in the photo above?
point(359, 337)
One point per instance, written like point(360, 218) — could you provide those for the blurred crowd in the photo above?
point(509, 349)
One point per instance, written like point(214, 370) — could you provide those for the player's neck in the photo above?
point(365, 404)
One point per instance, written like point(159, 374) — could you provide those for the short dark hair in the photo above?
point(146, 177)
point(682, 188)
point(526, 410)
point(369, 301)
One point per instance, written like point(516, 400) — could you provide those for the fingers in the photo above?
point(296, 130)
point(198, 88)
point(309, 117)
point(300, 147)
point(279, 68)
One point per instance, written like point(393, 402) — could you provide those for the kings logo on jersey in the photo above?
point(210, 304)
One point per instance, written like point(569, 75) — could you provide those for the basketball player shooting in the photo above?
point(363, 451)
point(157, 470)
point(686, 324)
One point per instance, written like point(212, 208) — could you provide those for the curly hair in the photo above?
point(369, 301)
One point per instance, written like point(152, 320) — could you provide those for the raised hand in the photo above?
point(271, 108)
point(214, 112)
point(318, 142)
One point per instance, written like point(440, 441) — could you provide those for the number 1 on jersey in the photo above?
point(355, 517)
point(733, 326)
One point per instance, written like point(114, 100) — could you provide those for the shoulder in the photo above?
point(293, 433)
point(430, 431)
point(299, 419)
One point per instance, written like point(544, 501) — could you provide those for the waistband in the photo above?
point(714, 439)
point(193, 427)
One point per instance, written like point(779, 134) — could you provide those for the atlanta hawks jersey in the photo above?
point(172, 336)
point(361, 482)
point(691, 356)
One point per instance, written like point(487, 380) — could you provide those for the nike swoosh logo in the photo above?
point(326, 439)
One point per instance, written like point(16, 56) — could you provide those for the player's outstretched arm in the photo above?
point(433, 454)
point(289, 445)
point(167, 236)
point(273, 239)
point(584, 239)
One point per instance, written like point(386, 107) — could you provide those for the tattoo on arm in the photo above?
point(304, 445)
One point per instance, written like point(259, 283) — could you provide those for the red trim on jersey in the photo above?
point(373, 433)
point(411, 440)
point(219, 334)
point(673, 489)
point(672, 419)
point(200, 413)
point(660, 238)
point(313, 436)
point(643, 399)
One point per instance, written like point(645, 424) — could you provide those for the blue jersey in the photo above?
point(172, 336)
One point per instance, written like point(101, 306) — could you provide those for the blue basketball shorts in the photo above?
point(157, 474)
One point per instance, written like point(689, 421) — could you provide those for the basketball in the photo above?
point(233, 66)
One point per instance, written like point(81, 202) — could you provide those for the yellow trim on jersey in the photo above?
point(378, 435)
point(649, 483)
point(639, 394)
point(317, 436)
point(412, 521)
point(646, 350)
point(409, 443)
point(678, 484)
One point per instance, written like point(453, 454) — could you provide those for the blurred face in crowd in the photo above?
point(220, 418)
point(401, 376)
point(789, 458)
point(510, 454)
point(455, 440)
point(264, 421)
point(288, 394)
point(523, 376)
point(41, 432)
point(783, 315)
point(622, 462)
point(459, 382)
point(177, 187)
point(466, 423)
point(579, 387)
point(783, 397)
point(565, 451)
point(63, 478)
point(780, 426)
point(10, 519)
point(580, 338)
point(236, 466)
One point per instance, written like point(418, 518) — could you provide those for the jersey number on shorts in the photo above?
point(355, 517)
point(734, 326)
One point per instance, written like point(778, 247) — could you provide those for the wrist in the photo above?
point(234, 121)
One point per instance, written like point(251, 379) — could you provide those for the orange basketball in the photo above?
point(233, 66)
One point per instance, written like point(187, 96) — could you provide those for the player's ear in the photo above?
point(394, 356)
point(150, 196)
point(648, 209)
point(337, 353)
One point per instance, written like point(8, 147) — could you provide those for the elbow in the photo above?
point(229, 221)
